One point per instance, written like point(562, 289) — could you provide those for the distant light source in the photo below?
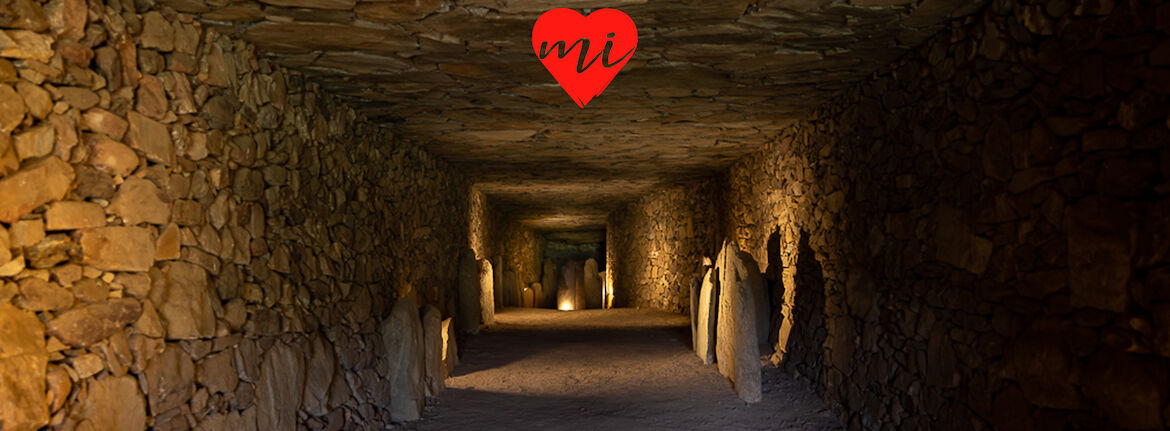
point(565, 305)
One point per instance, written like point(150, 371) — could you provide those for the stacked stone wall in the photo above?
point(975, 237)
point(191, 236)
point(657, 245)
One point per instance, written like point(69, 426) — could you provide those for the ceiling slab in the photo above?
point(709, 81)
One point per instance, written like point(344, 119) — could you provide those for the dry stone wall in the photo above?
point(657, 243)
point(481, 233)
point(193, 238)
point(522, 249)
point(975, 238)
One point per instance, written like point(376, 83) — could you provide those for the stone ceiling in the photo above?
point(709, 79)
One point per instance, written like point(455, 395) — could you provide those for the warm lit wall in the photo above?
point(196, 235)
point(976, 236)
point(480, 225)
point(522, 249)
point(657, 244)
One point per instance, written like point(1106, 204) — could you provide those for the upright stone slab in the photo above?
point(511, 289)
point(537, 293)
point(498, 281)
point(737, 343)
point(432, 322)
point(570, 295)
point(528, 295)
point(591, 285)
point(470, 313)
point(706, 317)
point(450, 348)
point(402, 338)
point(548, 281)
point(694, 297)
point(279, 388)
point(487, 296)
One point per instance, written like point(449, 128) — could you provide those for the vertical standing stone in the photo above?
point(319, 375)
point(548, 280)
point(450, 348)
point(279, 388)
point(498, 281)
point(402, 338)
point(511, 289)
point(487, 298)
point(706, 317)
point(570, 294)
point(591, 285)
point(737, 344)
point(528, 295)
point(432, 323)
point(470, 313)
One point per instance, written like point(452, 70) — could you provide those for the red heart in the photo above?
point(584, 54)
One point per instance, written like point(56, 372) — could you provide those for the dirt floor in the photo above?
point(606, 370)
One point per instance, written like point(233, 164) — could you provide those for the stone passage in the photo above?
point(289, 214)
point(609, 369)
point(192, 236)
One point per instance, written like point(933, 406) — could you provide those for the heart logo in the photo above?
point(584, 53)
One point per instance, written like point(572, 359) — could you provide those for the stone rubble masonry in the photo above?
point(975, 237)
point(657, 243)
point(972, 238)
point(191, 236)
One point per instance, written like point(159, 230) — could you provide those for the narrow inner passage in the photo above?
point(606, 369)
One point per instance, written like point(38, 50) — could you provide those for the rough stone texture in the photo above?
point(40, 182)
point(432, 326)
point(954, 244)
point(737, 71)
point(123, 129)
point(22, 370)
point(117, 248)
point(70, 215)
point(470, 306)
point(170, 378)
point(591, 285)
point(656, 245)
point(184, 298)
point(279, 388)
point(705, 318)
point(738, 326)
point(139, 200)
point(113, 403)
point(522, 249)
point(487, 292)
point(450, 347)
point(404, 360)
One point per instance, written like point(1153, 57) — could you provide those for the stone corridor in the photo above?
point(781, 214)
point(606, 369)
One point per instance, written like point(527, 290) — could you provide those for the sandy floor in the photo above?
point(605, 369)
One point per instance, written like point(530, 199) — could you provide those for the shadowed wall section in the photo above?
point(985, 220)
